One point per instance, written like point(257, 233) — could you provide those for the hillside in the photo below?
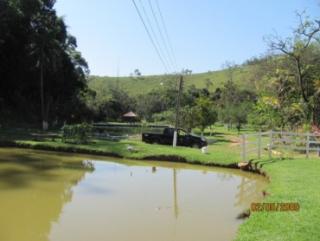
point(242, 76)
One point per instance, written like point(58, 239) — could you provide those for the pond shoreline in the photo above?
point(169, 158)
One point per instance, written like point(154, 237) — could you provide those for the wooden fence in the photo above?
point(266, 144)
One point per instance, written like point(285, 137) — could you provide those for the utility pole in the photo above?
point(175, 134)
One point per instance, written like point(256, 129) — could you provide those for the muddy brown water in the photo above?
point(47, 196)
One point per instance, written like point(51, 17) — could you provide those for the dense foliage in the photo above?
point(77, 133)
point(42, 74)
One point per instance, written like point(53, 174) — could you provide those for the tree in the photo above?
point(118, 104)
point(156, 101)
point(189, 118)
point(270, 113)
point(203, 114)
point(265, 113)
point(46, 46)
point(40, 68)
point(137, 72)
point(298, 49)
point(186, 71)
point(233, 104)
point(230, 67)
point(240, 114)
point(151, 103)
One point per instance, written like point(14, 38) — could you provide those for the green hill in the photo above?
point(242, 76)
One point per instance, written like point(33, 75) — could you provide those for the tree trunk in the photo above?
point(43, 119)
point(316, 111)
point(300, 80)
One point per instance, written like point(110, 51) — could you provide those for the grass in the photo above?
point(218, 152)
point(135, 86)
point(291, 180)
point(295, 180)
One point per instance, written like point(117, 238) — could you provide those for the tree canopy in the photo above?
point(41, 71)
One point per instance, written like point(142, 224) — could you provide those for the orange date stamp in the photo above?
point(275, 207)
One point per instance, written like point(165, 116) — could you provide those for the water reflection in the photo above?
point(248, 189)
point(154, 169)
point(34, 188)
point(59, 197)
point(175, 194)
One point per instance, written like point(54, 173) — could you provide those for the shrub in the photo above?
point(78, 133)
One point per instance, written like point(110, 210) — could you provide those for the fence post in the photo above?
point(243, 148)
point(308, 145)
point(270, 144)
point(259, 145)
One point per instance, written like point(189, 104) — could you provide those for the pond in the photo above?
point(70, 197)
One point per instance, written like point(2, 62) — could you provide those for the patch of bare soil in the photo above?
point(235, 141)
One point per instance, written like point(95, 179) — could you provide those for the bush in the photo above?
point(78, 133)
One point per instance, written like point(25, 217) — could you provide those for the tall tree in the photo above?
point(298, 49)
point(40, 68)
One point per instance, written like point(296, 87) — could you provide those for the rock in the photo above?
point(243, 165)
point(204, 150)
point(131, 148)
point(244, 215)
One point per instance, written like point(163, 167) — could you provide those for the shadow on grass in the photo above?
point(260, 164)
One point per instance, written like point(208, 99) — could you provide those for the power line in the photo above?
point(150, 36)
point(161, 34)
point(166, 31)
point(155, 36)
point(159, 50)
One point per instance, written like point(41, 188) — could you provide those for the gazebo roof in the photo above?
point(130, 114)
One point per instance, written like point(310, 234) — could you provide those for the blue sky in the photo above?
point(204, 33)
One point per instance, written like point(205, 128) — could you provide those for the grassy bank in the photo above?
point(292, 180)
point(219, 151)
point(295, 180)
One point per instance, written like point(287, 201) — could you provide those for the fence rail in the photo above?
point(257, 145)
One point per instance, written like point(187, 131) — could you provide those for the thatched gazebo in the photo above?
point(130, 117)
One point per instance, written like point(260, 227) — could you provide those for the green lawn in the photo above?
point(218, 154)
point(295, 180)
